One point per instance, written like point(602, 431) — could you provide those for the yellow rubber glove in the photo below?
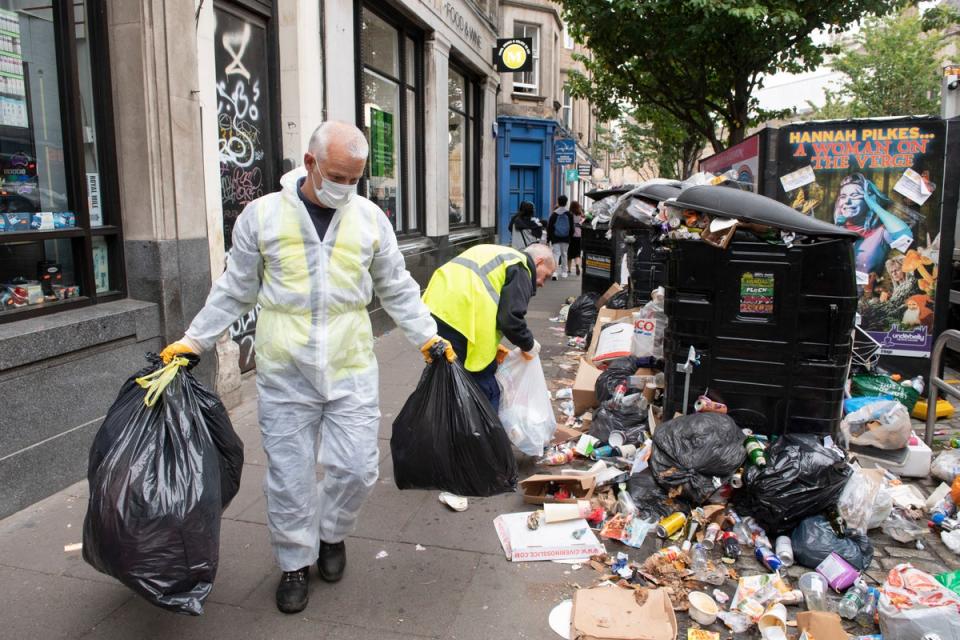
point(447, 349)
point(502, 352)
point(171, 351)
point(533, 353)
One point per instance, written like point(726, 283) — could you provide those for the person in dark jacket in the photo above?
point(480, 297)
point(559, 233)
point(525, 228)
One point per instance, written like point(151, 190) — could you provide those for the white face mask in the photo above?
point(333, 194)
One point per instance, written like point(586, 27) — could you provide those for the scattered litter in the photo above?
point(382, 555)
point(563, 394)
point(76, 546)
point(560, 617)
point(720, 596)
point(420, 547)
point(455, 502)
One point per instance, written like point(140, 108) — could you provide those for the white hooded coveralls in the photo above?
point(316, 371)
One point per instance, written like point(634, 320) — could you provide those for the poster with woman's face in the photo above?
point(881, 180)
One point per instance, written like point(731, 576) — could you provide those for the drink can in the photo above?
point(767, 558)
point(710, 535)
point(626, 450)
point(736, 480)
point(785, 551)
point(606, 451)
point(616, 439)
point(671, 524)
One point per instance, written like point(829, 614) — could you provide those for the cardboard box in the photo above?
point(564, 434)
point(612, 613)
point(615, 342)
point(604, 317)
point(548, 542)
point(609, 293)
point(820, 625)
point(584, 387)
point(534, 488)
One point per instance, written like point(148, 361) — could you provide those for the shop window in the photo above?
point(60, 236)
point(391, 112)
point(462, 148)
point(528, 81)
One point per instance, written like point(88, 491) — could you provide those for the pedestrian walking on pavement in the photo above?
point(573, 253)
point(480, 297)
point(559, 233)
point(312, 255)
point(525, 228)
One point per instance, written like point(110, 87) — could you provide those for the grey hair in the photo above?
point(352, 138)
point(538, 250)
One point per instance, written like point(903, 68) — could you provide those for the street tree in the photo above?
point(701, 61)
point(891, 68)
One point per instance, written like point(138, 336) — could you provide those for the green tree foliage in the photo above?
point(700, 61)
point(892, 68)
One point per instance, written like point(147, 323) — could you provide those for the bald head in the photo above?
point(340, 138)
point(543, 259)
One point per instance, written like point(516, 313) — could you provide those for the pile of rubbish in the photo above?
point(692, 513)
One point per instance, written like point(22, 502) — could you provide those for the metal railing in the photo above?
point(949, 338)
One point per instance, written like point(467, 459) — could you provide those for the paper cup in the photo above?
point(562, 512)
point(773, 623)
point(616, 439)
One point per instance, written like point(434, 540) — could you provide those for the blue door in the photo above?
point(524, 185)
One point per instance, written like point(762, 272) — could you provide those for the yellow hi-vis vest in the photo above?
point(465, 293)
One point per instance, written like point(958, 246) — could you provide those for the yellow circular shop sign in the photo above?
point(514, 56)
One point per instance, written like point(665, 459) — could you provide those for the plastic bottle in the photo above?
point(869, 611)
point(654, 310)
point(852, 600)
point(943, 510)
point(619, 392)
point(784, 550)
point(699, 557)
point(731, 547)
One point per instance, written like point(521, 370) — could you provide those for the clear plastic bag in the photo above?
point(865, 502)
point(884, 424)
point(525, 408)
point(946, 466)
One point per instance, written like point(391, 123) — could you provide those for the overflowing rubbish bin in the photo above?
point(602, 255)
point(647, 260)
point(769, 317)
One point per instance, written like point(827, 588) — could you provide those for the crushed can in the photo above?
point(767, 558)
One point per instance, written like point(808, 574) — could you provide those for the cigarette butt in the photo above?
point(76, 546)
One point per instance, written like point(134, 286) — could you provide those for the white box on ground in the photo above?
point(915, 465)
point(548, 542)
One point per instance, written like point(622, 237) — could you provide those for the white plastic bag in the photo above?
point(615, 342)
point(644, 333)
point(946, 466)
point(525, 408)
point(912, 603)
point(865, 502)
point(884, 424)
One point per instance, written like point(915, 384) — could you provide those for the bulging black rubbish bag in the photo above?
point(448, 437)
point(801, 478)
point(582, 315)
point(814, 539)
point(696, 453)
point(160, 476)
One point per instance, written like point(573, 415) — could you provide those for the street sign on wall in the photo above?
point(565, 151)
point(585, 170)
point(571, 175)
point(513, 55)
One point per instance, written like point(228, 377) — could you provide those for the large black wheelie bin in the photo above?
point(646, 258)
point(770, 320)
point(601, 256)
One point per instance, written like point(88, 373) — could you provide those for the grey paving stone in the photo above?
point(251, 490)
point(909, 553)
point(246, 560)
point(37, 605)
point(409, 591)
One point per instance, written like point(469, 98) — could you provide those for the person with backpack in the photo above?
point(525, 228)
point(559, 233)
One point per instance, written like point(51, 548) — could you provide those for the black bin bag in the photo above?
point(814, 539)
point(160, 476)
point(448, 437)
point(694, 455)
point(582, 315)
point(801, 478)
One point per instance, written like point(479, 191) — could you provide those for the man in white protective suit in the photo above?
point(312, 255)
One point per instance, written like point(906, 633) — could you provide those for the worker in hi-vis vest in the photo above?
point(480, 297)
point(312, 255)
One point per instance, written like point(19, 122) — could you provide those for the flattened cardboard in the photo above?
point(612, 613)
point(534, 488)
point(820, 625)
point(584, 387)
point(548, 542)
point(609, 293)
point(607, 316)
point(564, 434)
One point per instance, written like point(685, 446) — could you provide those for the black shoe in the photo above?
point(578, 269)
point(292, 592)
point(332, 561)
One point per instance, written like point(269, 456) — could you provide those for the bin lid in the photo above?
point(600, 194)
point(752, 207)
point(658, 190)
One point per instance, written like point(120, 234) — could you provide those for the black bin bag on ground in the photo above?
point(627, 420)
point(618, 371)
point(582, 315)
point(814, 539)
point(160, 476)
point(448, 437)
point(689, 452)
point(801, 478)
